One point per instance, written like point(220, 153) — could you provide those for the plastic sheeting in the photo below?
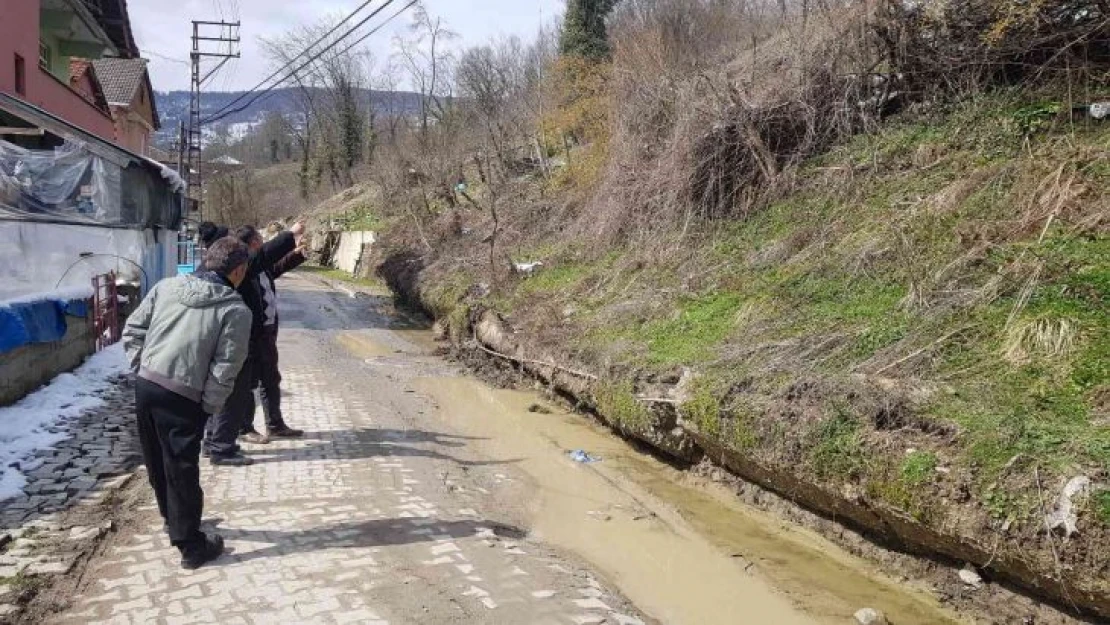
point(71, 184)
point(66, 183)
point(34, 322)
point(38, 258)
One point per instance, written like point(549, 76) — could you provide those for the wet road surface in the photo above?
point(422, 496)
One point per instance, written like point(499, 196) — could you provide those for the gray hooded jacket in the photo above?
point(190, 335)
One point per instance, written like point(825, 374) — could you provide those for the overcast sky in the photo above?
point(163, 28)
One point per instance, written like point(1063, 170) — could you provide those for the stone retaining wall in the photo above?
point(26, 368)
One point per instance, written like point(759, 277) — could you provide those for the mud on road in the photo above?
point(421, 495)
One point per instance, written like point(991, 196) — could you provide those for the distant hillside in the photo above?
point(173, 106)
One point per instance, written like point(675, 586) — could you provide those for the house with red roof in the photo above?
point(78, 60)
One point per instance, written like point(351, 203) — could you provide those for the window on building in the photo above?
point(20, 76)
point(44, 55)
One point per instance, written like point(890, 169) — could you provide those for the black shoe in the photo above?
point(209, 550)
point(234, 460)
point(285, 432)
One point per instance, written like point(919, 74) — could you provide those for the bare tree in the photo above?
point(426, 57)
point(388, 82)
point(334, 125)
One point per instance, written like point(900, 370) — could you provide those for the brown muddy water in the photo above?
point(683, 552)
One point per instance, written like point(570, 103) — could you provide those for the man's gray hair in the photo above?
point(226, 255)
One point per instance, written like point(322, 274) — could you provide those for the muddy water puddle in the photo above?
point(682, 552)
point(387, 343)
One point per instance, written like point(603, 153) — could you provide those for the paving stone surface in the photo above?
point(100, 445)
point(43, 530)
point(372, 518)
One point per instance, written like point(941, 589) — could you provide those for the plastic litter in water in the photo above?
point(581, 456)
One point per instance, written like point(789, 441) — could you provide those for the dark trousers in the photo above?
point(269, 381)
point(170, 432)
point(223, 428)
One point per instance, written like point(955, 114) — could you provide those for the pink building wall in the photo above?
point(19, 34)
point(130, 133)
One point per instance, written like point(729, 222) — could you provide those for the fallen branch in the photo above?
point(523, 361)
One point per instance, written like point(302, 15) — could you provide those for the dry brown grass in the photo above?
point(1045, 338)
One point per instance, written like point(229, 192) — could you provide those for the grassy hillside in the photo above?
point(922, 322)
point(957, 261)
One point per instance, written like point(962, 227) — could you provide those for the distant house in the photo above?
point(126, 86)
point(83, 80)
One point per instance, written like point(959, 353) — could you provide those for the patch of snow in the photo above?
point(25, 426)
point(227, 160)
point(970, 577)
point(177, 183)
point(63, 294)
point(1064, 516)
point(527, 268)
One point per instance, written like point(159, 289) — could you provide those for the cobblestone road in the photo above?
point(374, 517)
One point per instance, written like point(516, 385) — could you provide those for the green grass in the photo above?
point(837, 452)
point(1102, 505)
point(362, 218)
point(616, 401)
point(557, 278)
point(704, 409)
point(919, 468)
point(699, 324)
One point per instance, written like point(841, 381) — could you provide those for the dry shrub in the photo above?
point(717, 102)
point(580, 91)
point(962, 46)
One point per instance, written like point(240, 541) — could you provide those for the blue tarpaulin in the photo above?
point(42, 321)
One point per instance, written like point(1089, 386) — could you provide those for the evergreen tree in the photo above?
point(584, 31)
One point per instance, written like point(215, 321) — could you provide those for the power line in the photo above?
point(266, 92)
point(164, 57)
point(281, 69)
point(377, 28)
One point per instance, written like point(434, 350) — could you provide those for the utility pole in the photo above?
point(179, 148)
point(219, 40)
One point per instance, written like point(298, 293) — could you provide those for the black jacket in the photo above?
point(290, 262)
point(265, 259)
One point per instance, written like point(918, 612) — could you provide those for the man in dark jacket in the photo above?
point(266, 364)
point(187, 340)
point(223, 431)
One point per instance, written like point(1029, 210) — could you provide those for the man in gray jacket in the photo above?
point(188, 339)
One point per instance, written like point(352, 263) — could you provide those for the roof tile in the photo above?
point(120, 78)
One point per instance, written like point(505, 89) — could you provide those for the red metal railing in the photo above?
point(105, 310)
